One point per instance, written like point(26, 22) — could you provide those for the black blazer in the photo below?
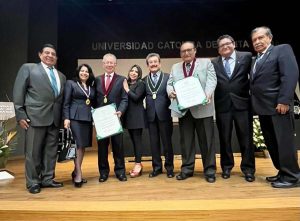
point(74, 107)
point(160, 105)
point(233, 91)
point(117, 94)
point(274, 80)
point(135, 116)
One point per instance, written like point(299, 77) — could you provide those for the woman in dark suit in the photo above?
point(79, 96)
point(135, 116)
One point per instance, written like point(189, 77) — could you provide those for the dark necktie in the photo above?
point(257, 62)
point(107, 82)
point(227, 67)
point(188, 68)
point(53, 81)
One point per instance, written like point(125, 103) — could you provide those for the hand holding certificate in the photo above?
point(189, 93)
point(107, 123)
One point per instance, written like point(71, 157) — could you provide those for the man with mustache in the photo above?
point(159, 116)
point(273, 80)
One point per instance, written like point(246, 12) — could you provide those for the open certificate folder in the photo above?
point(189, 92)
point(107, 123)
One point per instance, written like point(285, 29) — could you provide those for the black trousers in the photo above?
point(205, 131)
point(243, 126)
point(278, 132)
point(118, 155)
point(136, 139)
point(161, 130)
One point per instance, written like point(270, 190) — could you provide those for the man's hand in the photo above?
point(172, 94)
point(282, 108)
point(67, 123)
point(24, 123)
point(119, 113)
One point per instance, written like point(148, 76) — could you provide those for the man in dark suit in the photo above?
point(38, 96)
point(159, 116)
point(232, 104)
point(109, 89)
point(274, 75)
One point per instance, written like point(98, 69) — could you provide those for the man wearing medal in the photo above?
point(159, 116)
point(199, 117)
point(109, 89)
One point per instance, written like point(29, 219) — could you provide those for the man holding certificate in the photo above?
point(109, 90)
point(197, 113)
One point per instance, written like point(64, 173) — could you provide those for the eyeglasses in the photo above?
point(109, 63)
point(225, 44)
point(189, 51)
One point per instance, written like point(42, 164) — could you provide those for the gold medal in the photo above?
point(87, 101)
point(105, 100)
point(154, 96)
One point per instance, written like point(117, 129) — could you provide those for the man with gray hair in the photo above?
point(109, 89)
point(274, 76)
point(159, 116)
point(200, 117)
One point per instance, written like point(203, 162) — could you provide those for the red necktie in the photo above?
point(107, 82)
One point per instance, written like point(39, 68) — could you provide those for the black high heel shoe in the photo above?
point(78, 184)
point(73, 175)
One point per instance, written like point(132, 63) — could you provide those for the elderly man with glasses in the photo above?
point(199, 117)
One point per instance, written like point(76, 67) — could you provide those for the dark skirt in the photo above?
point(82, 133)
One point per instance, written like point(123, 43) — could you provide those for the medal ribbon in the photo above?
point(191, 70)
point(89, 90)
point(106, 91)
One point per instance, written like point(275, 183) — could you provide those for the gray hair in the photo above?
point(267, 30)
point(152, 55)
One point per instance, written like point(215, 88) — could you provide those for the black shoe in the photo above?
point(226, 174)
point(73, 175)
point(170, 174)
point(103, 178)
point(155, 173)
point(249, 177)
point(285, 184)
point(122, 177)
point(35, 188)
point(183, 176)
point(210, 178)
point(78, 184)
point(53, 184)
point(273, 178)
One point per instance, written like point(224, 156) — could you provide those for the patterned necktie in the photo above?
point(107, 82)
point(227, 67)
point(258, 60)
point(155, 78)
point(53, 81)
point(188, 68)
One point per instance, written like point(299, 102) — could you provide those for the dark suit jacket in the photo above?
point(161, 104)
point(74, 107)
point(274, 80)
point(34, 97)
point(135, 116)
point(117, 94)
point(233, 91)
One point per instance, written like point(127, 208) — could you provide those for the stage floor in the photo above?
point(145, 198)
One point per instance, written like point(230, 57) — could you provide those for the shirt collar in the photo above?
point(232, 56)
point(111, 74)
